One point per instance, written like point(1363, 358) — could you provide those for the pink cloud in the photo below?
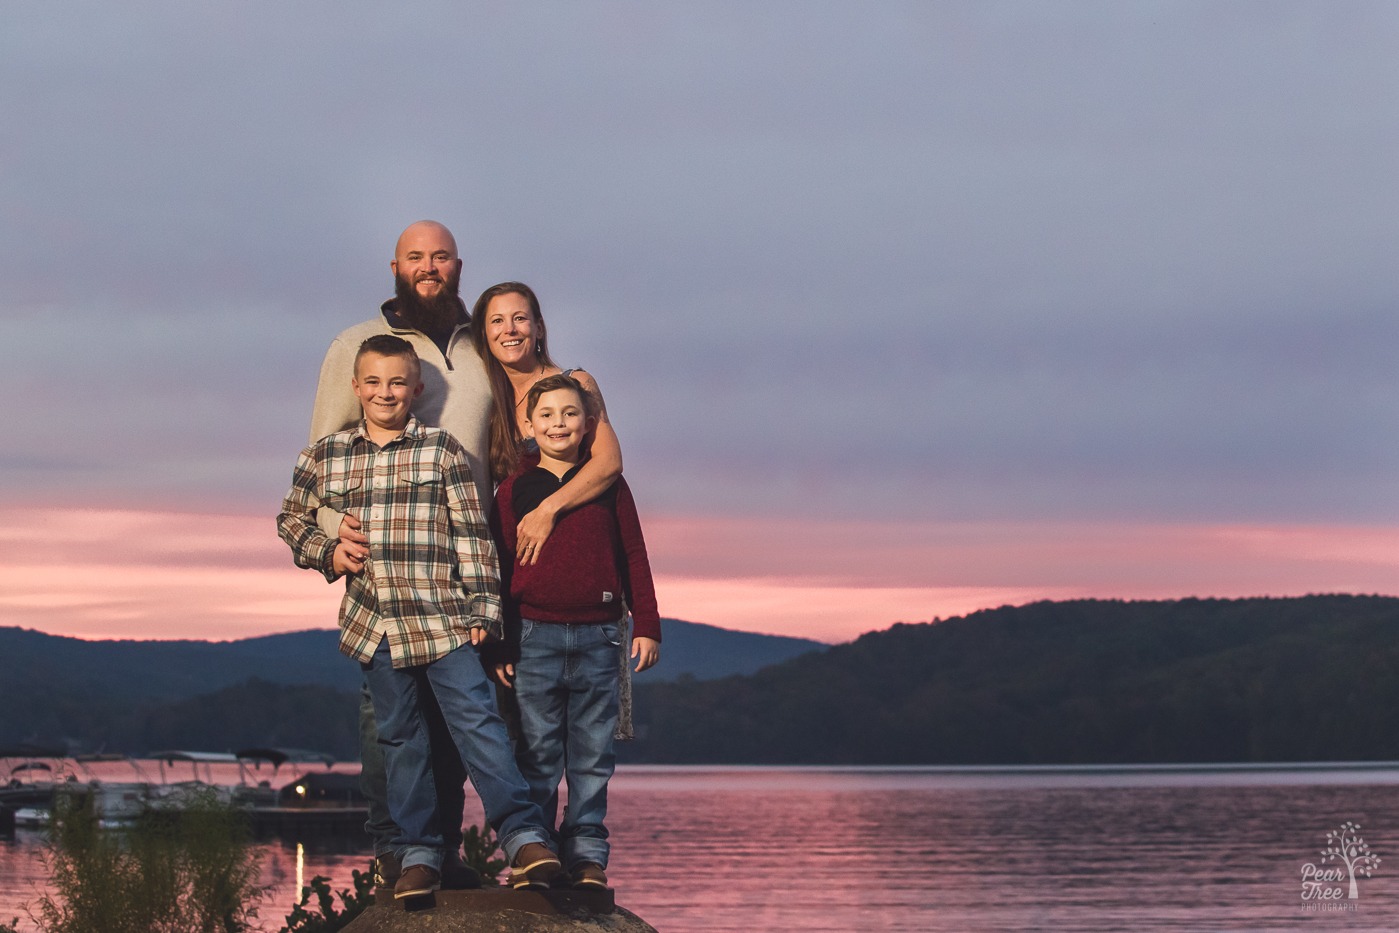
point(832, 580)
point(135, 574)
point(1044, 555)
point(129, 574)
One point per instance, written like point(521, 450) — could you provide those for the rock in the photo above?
point(502, 910)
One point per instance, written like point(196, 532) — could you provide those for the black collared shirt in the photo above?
point(395, 319)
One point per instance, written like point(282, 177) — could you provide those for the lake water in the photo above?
point(917, 849)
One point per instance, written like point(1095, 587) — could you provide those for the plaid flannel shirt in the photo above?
point(432, 572)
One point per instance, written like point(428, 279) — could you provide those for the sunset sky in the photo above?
point(901, 310)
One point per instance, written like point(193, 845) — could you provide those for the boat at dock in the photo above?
point(28, 784)
point(33, 775)
point(319, 802)
point(301, 794)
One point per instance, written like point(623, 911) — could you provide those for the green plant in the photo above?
point(477, 846)
point(11, 927)
point(185, 870)
point(327, 919)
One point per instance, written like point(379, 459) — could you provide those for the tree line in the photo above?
point(1080, 682)
point(1089, 681)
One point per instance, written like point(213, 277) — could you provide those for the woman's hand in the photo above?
point(533, 530)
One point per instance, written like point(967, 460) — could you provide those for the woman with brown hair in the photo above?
point(508, 331)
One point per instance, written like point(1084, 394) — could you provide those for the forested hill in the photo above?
point(176, 670)
point(293, 689)
point(1306, 679)
point(1196, 680)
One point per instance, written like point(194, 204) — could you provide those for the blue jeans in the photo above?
point(447, 773)
point(463, 693)
point(566, 682)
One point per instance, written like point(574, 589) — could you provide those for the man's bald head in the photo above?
point(424, 233)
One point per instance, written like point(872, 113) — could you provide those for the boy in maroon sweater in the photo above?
point(571, 606)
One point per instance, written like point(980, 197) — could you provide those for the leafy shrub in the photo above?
point(185, 871)
point(478, 846)
point(327, 919)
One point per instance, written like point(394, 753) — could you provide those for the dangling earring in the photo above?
point(539, 348)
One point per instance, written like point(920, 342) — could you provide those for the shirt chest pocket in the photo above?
point(419, 487)
point(342, 492)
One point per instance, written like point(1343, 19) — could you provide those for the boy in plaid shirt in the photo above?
point(416, 607)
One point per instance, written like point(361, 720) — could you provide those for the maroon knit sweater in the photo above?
point(595, 558)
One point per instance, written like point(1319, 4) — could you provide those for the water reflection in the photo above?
point(914, 850)
point(821, 851)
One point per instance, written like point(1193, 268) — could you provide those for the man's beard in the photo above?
point(436, 316)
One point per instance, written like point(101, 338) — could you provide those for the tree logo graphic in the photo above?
point(1344, 847)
